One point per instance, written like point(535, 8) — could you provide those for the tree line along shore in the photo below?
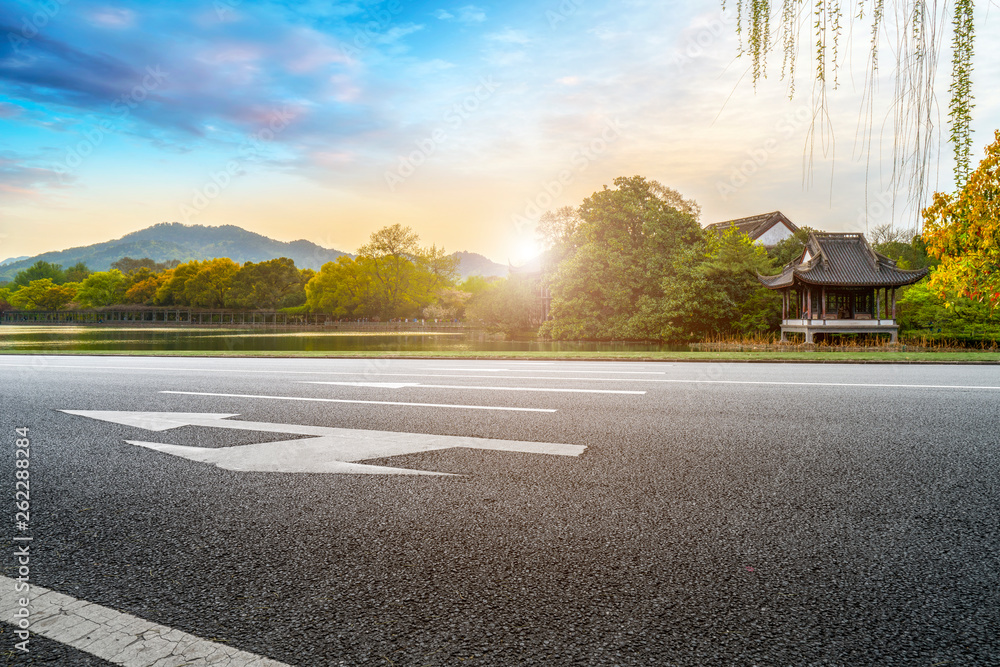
point(631, 262)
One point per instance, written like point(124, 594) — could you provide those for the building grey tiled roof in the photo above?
point(755, 225)
point(845, 260)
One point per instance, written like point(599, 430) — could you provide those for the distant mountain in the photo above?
point(474, 264)
point(172, 240)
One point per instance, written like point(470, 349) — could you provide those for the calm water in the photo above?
point(106, 338)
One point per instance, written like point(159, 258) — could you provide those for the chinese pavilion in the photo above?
point(840, 285)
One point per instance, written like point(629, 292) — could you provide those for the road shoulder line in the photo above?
point(119, 638)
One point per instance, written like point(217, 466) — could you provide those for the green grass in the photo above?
point(836, 357)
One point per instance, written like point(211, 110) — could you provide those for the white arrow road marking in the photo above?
point(345, 400)
point(402, 385)
point(330, 450)
point(121, 639)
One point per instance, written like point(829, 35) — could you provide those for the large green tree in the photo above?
point(714, 291)
point(103, 288)
point(617, 259)
point(272, 284)
point(392, 253)
point(345, 289)
point(41, 270)
point(208, 287)
point(42, 294)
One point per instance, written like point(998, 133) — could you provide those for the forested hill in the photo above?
point(172, 240)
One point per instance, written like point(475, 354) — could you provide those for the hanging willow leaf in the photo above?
point(917, 26)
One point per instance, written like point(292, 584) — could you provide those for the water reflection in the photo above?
point(146, 339)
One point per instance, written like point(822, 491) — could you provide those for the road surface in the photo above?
point(429, 512)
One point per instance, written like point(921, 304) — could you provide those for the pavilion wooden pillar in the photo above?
point(809, 302)
point(822, 301)
point(893, 303)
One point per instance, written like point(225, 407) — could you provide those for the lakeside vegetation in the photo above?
point(630, 263)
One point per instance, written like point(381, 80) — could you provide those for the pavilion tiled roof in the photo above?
point(846, 260)
point(754, 225)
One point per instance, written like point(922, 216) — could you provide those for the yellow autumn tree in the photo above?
point(963, 231)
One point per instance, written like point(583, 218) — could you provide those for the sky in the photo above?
point(329, 120)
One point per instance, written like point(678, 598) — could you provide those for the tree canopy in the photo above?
point(963, 232)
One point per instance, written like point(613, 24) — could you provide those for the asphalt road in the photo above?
point(730, 515)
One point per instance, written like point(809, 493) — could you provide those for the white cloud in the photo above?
point(397, 32)
point(510, 36)
point(471, 14)
point(443, 15)
point(112, 17)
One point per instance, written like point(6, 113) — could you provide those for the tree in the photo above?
point(713, 290)
point(821, 24)
point(625, 247)
point(208, 287)
point(963, 232)
point(392, 252)
point(273, 284)
point(143, 291)
point(344, 289)
point(42, 294)
point(790, 249)
point(509, 307)
point(104, 288)
point(909, 253)
point(476, 284)
point(128, 265)
point(172, 289)
point(41, 270)
point(77, 273)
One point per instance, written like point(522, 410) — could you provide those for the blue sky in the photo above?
point(329, 120)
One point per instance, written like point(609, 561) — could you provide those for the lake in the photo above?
point(28, 338)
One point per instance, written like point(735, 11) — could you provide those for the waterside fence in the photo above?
point(223, 318)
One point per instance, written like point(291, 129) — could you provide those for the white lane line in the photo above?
point(121, 639)
point(546, 370)
point(345, 400)
point(503, 377)
point(472, 370)
point(404, 385)
point(347, 373)
point(832, 384)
